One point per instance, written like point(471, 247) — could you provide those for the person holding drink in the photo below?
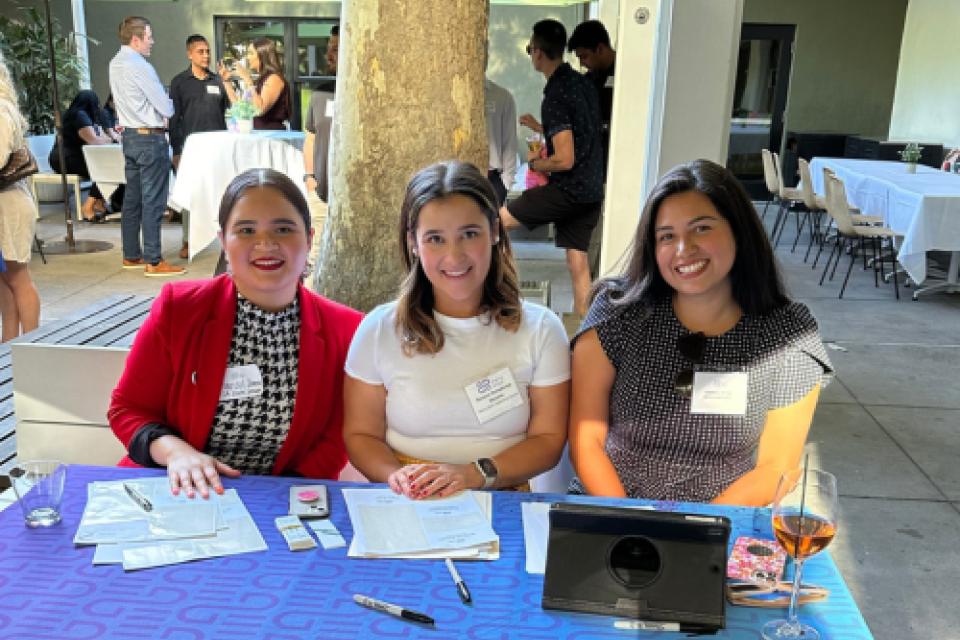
point(695, 377)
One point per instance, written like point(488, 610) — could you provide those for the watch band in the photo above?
point(487, 470)
point(309, 175)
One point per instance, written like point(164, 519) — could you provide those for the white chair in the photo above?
point(40, 147)
point(770, 179)
point(105, 162)
point(788, 198)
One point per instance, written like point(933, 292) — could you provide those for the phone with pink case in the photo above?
point(756, 560)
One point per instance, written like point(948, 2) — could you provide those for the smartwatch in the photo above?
point(488, 470)
point(308, 175)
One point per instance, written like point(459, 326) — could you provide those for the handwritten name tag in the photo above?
point(494, 395)
point(241, 382)
point(720, 393)
point(214, 89)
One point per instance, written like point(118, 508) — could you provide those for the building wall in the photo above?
point(927, 98)
point(845, 62)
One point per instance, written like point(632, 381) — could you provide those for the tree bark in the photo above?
point(409, 93)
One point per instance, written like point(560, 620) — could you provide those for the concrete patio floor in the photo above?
point(888, 426)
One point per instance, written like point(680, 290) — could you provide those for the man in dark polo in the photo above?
point(590, 42)
point(199, 99)
point(571, 200)
point(199, 103)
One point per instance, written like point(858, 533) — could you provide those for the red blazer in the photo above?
point(175, 370)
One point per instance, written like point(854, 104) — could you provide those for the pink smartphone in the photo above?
point(756, 560)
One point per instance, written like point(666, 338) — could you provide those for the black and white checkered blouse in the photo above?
point(660, 450)
point(247, 433)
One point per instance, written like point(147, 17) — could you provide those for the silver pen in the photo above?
point(462, 590)
point(138, 497)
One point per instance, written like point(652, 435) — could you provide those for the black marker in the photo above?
point(392, 609)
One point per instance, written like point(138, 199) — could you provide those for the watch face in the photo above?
point(487, 467)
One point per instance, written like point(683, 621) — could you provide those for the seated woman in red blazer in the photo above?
point(242, 372)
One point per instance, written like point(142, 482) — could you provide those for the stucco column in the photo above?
point(409, 93)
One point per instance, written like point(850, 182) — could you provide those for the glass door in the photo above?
point(759, 101)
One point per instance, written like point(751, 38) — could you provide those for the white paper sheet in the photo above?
point(488, 551)
point(385, 523)
point(536, 531)
point(111, 516)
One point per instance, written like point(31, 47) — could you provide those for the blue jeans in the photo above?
point(147, 171)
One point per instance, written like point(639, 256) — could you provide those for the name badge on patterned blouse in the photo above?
point(493, 395)
point(241, 382)
point(719, 393)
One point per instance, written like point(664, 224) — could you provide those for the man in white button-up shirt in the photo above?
point(143, 109)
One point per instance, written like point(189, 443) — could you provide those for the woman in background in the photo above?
point(19, 300)
point(701, 295)
point(270, 93)
point(81, 126)
point(458, 384)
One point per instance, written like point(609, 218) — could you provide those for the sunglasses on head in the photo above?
point(691, 346)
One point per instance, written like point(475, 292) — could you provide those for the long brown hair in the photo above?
point(269, 57)
point(419, 331)
point(755, 281)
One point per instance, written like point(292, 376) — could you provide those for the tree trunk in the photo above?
point(409, 93)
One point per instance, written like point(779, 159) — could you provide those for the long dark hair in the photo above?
point(501, 291)
point(755, 281)
point(269, 57)
point(87, 102)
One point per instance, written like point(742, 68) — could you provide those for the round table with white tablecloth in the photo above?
point(212, 159)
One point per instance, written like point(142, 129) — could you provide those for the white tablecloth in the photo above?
point(924, 207)
point(211, 160)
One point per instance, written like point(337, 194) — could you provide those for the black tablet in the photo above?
point(651, 565)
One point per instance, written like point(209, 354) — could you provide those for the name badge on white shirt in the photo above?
point(241, 382)
point(719, 393)
point(494, 395)
point(214, 89)
point(329, 110)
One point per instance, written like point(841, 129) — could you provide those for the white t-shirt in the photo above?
point(429, 415)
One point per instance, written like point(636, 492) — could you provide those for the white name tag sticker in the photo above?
point(609, 83)
point(329, 110)
point(720, 393)
point(214, 89)
point(241, 382)
point(494, 395)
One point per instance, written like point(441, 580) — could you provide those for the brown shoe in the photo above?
point(133, 264)
point(161, 269)
point(184, 251)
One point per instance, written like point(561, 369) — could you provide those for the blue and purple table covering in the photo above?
point(50, 589)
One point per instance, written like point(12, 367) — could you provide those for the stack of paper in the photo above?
point(387, 525)
point(175, 529)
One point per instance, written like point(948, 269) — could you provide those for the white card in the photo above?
point(720, 393)
point(329, 110)
point(241, 382)
point(214, 89)
point(494, 395)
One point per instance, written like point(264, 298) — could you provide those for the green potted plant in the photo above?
point(911, 155)
point(242, 112)
point(23, 41)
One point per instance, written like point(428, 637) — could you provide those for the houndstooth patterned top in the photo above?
point(662, 451)
point(248, 433)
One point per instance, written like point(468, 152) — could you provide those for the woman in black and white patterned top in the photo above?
point(694, 376)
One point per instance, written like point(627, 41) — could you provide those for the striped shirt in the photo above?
point(137, 91)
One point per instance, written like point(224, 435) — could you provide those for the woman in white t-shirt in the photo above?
point(457, 384)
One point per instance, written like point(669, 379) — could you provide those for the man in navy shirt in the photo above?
point(571, 200)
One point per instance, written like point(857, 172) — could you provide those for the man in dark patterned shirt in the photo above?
point(570, 111)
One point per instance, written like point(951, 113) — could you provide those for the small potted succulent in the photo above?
point(911, 155)
point(242, 112)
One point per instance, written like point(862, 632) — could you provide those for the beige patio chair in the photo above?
point(849, 235)
point(789, 198)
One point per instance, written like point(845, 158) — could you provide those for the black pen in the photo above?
point(462, 590)
point(392, 609)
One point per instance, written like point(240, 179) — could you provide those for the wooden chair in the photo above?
point(40, 147)
point(789, 198)
point(771, 180)
point(849, 235)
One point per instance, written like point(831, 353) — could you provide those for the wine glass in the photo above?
point(804, 523)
